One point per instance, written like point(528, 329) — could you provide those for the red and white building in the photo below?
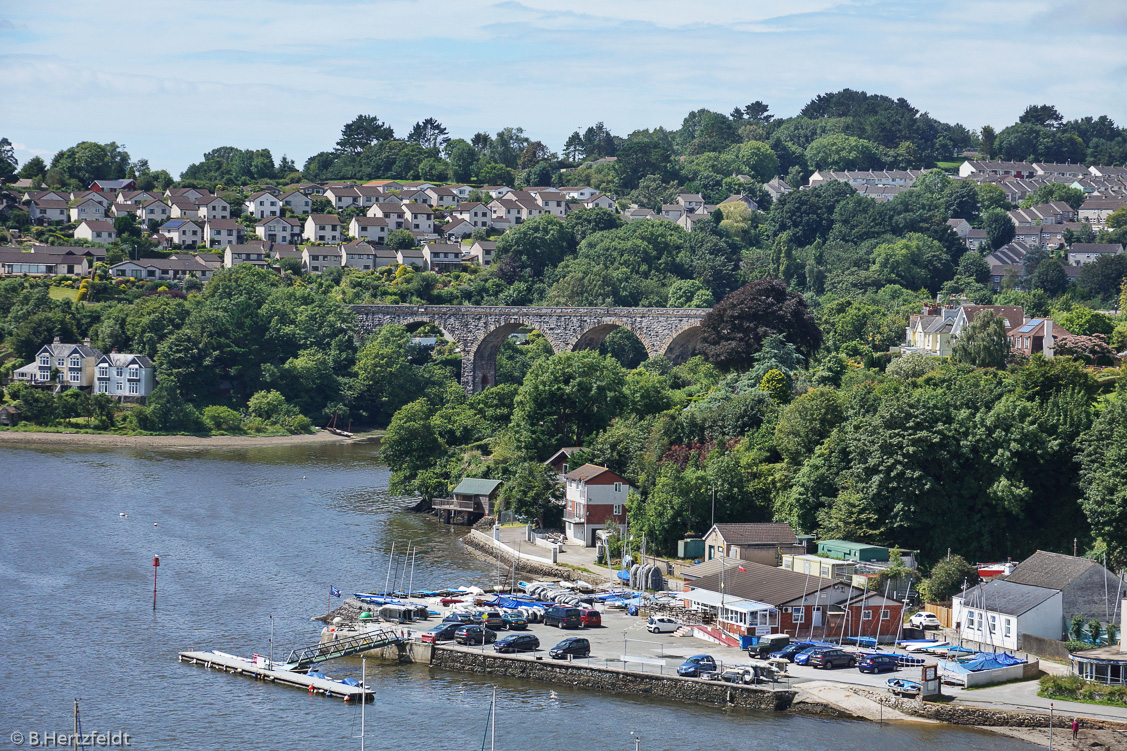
point(595, 496)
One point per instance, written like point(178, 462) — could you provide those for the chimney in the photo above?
point(57, 341)
point(86, 342)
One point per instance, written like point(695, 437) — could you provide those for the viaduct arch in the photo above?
point(479, 331)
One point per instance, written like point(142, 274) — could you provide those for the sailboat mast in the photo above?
point(387, 579)
point(493, 722)
point(363, 696)
point(75, 736)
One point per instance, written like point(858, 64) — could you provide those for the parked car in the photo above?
point(803, 656)
point(492, 619)
point(767, 645)
point(441, 632)
point(517, 643)
point(924, 619)
point(576, 646)
point(562, 617)
point(878, 663)
point(464, 618)
point(831, 658)
point(789, 652)
point(590, 618)
point(695, 665)
point(661, 624)
point(514, 621)
point(475, 634)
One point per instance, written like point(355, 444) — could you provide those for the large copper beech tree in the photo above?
point(734, 330)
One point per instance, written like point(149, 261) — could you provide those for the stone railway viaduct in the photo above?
point(479, 331)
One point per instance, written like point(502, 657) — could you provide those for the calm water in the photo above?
point(246, 534)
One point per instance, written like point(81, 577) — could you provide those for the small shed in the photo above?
point(9, 416)
point(851, 551)
point(469, 502)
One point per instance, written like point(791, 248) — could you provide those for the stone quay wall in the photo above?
point(957, 714)
point(691, 690)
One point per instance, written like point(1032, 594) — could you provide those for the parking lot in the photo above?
point(622, 634)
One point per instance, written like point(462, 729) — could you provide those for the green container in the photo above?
point(843, 550)
point(690, 548)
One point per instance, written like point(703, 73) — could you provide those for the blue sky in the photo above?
point(173, 80)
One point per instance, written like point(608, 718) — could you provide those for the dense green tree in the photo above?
point(533, 490)
point(1049, 277)
point(564, 399)
point(462, 157)
point(948, 577)
point(640, 157)
point(1103, 476)
point(537, 245)
point(8, 161)
point(362, 132)
point(983, 342)
point(428, 133)
point(842, 152)
point(999, 228)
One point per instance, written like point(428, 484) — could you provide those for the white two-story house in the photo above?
point(127, 377)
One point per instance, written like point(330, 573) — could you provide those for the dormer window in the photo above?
point(45, 360)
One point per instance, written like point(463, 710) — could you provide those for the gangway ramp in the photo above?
point(303, 659)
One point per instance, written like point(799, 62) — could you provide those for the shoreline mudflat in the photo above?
point(18, 438)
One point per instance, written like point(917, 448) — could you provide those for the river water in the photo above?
point(246, 534)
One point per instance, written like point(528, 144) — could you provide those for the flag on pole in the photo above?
point(333, 591)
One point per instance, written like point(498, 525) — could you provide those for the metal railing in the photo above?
point(331, 650)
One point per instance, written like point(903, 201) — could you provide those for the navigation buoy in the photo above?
point(154, 524)
point(121, 513)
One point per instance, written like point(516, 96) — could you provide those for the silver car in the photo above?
point(661, 624)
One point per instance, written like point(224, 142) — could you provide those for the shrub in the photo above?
point(222, 419)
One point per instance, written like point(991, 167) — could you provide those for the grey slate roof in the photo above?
point(774, 586)
point(1006, 597)
point(1051, 570)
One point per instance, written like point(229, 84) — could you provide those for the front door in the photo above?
point(817, 617)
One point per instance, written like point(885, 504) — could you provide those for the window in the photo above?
point(993, 623)
point(103, 387)
point(132, 388)
point(797, 615)
point(75, 362)
point(61, 361)
point(885, 614)
point(133, 373)
point(103, 371)
point(45, 361)
point(866, 614)
point(618, 487)
point(617, 509)
point(119, 372)
point(75, 377)
point(1007, 624)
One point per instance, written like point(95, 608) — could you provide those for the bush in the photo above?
point(220, 419)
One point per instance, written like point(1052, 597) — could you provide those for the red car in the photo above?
point(590, 618)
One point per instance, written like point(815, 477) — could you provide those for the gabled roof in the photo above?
point(122, 360)
point(588, 472)
point(324, 218)
point(1095, 248)
point(476, 486)
point(774, 586)
point(747, 534)
point(1006, 597)
point(1051, 570)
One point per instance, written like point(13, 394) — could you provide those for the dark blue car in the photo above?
point(695, 665)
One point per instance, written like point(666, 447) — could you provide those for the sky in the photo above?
point(173, 80)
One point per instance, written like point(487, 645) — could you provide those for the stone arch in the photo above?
point(413, 323)
point(682, 345)
point(593, 337)
point(483, 373)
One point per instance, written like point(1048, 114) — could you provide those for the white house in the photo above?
point(174, 268)
point(442, 257)
point(392, 212)
point(322, 228)
point(297, 202)
point(74, 364)
point(481, 252)
point(128, 377)
point(317, 258)
point(594, 496)
point(600, 201)
point(153, 211)
point(86, 209)
point(999, 613)
point(478, 215)
point(373, 228)
point(96, 230)
point(254, 254)
point(262, 205)
point(1082, 253)
point(419, 217)
point(279, 229)
point(223, 232)
point(183, 231)
point(213, 207)
point(358, 255)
